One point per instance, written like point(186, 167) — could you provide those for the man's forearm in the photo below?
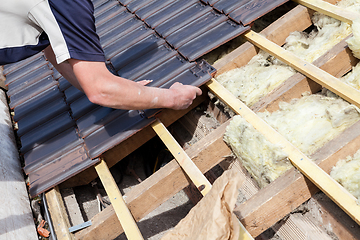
point(106, 89)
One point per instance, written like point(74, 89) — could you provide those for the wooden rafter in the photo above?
point(58, 214)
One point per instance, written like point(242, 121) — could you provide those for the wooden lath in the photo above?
point(122, 212)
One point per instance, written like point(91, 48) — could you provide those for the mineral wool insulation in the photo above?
point(264, 73)
point(347, 173)
point(298, 119)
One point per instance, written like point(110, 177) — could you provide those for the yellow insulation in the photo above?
point(308, 123)
point(347, 173)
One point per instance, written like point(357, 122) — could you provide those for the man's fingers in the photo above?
point(198, 91)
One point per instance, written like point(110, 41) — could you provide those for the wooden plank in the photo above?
point(58, 214)
point(312, 171)
point(292, 189)
point(126, 147)
point(298, 226)
point(330, 10)
point(72, 206)
point(200, 181)
point(127, 221)
point(333, 218)
point(298, 19)
point(320, 76)
point(160, 186)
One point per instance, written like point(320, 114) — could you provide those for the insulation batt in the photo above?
point(353, 77)
point(296, 121)
point(253, 81)
point(328, 33)
point(347, 173)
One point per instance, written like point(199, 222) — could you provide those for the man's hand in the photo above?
point(183, 95)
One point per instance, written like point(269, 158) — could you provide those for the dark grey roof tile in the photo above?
point(108, 14)
point(25, 69)
point(182, 18)
point(166, 71)
point(136, 51)
point(168, 12)
point(152, 7)
point(38, 87)
point(120, 30)
point(32, 104)
point(137, 4)
point(26, 81)
point(81, 106)
point(45, 131)
point(63, 84)
point(111, 23)
point(254, 9)
point(59, 169)
point(15, 66)
point(40, 115)
point(72, 93)
point(211, 39)
point(194, 29)
point(99, 9)
point(51, 149)
point(146, 62)
point(115, 132)
point(127, 40)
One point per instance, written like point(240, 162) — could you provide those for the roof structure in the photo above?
point(62, 133)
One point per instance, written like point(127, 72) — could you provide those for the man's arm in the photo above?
point(105, 89)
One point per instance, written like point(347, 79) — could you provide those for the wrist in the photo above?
point(170, 98)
